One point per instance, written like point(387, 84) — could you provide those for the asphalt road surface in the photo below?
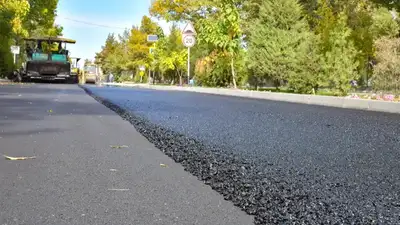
point(285, 163)
point(77, 178)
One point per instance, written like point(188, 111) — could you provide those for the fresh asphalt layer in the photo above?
point(77, 178)
point(285, 163)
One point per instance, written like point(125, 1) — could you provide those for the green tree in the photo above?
point(339, 62)
point(223, 32)
point(384, 23)
point(41, 16)
point(103, 58)
point(20, 18)
point(180, 10)
point(386, 76)
point(277, 42)
point(171, 56)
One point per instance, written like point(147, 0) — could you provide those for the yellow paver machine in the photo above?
point(48, 59)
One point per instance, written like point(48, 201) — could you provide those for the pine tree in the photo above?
point(339, 56)
point(278, 40)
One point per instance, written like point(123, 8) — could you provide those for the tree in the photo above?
point(20, 18)
point(87, 62)
point(41, 16)
point(281, 23)
point(339, 56)
point(308, 77)
point(386, 76)
point(103, 57)
point(384, 23)
point(308, 44)
point(181, 10)
point(222, 30)
point(170, 55)
point(138, 48)
point(389, 4)
point(147, 26)
point(13, 13)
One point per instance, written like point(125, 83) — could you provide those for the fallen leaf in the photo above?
point(163, 165)
point(18, 158)
point(118, 146)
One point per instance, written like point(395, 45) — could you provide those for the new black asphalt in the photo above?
point(78, 178)
point(285, 163)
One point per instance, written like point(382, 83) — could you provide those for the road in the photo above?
point(285, 163)
point(77, 176)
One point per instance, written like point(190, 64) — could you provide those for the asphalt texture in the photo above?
point(285, 163)
point(78, 178)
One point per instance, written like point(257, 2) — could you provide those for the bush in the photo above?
point(123, 77)
point(215, 72)
point(386, 75)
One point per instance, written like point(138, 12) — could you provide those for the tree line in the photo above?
point(302, 46)
point(20, 19)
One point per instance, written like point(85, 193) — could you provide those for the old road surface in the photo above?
point(284, 163)
point(92, 167)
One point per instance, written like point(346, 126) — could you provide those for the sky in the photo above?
point(113, 15)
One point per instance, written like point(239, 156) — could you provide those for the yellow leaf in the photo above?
point(163, 165)
point(18, 158)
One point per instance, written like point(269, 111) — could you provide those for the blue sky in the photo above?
point(116, 13)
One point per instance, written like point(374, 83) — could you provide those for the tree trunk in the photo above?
point(180, 78)
point(233, 73)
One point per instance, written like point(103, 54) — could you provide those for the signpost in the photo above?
point(152, 38)
point(189, 40)
point(15, 51)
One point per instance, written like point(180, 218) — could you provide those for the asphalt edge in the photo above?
point(196, 158)
point(260, 192)
point(330, 101)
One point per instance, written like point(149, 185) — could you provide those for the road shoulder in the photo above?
point(92, 167)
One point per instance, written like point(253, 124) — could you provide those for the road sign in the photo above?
point(142, 68)
point(152, 38)
point(189, 29)
point(15, 49)
point(189, 41)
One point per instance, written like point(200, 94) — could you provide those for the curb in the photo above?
point(338, 102)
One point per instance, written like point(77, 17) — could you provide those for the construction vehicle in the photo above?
point(92, 73)
point(47, 59)
point(74, 66)
point(75, 69)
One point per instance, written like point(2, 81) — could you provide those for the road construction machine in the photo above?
point(47, 58)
